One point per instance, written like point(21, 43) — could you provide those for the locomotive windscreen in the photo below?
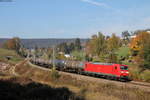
point(123, 67)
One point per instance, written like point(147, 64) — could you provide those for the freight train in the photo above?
point(106, 70)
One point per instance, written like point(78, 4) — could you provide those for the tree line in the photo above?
point(99, 48)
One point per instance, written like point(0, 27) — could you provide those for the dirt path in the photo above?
point(12, 70)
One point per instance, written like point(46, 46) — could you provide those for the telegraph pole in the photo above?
point(84, 55)
point(53, 57)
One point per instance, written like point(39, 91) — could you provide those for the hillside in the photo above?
point(41, 83)
point(42, 43)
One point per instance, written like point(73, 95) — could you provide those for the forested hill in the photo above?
point(43, 43)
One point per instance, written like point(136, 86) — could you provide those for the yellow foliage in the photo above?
point(138, 42)
point(113, 42)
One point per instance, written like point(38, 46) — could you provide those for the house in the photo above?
point(67, 55)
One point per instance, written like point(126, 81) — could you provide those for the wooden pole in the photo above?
point(53, 57)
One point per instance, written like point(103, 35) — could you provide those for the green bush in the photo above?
point(123, 52)
point(54, 74)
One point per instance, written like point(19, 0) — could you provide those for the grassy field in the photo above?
point(15, 58)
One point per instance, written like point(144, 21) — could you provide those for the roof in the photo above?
point(98, 63)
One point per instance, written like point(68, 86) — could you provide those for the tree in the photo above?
point(14, 44)
point(90, 46)
point(125, 35)
point(126, 38)
point(140, 31)
point(78, 55)
point(112, 58)
point(100, 45)
point(146, 55)
point(77, 44)
point(23, 52)
point(140, 48)
point(71, 47)
point(97, 46)
point(113, 43)
point(63, 47)
point(138, 42)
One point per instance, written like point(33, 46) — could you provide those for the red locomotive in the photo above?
point(107, 70)
point(115, 71)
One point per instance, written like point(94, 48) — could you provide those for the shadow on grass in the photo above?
point(34, 91)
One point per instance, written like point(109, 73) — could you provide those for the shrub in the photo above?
point(54, 74)
point(146, 75)
point(135, 73)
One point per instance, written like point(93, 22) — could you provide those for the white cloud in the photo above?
point(95, 3)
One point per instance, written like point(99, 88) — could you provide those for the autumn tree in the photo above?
point(113, 43)
point(112, 58)
point(144, 52)
point(138, 42)
point(90, 46)
point(101, 45)
point(97, 46)
point(13, 44)
point(140, 31)
point(140, 46)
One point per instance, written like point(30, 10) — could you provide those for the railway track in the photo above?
point(132, 84)
point(140, 83)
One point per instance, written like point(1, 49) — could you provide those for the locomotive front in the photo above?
point(124, 72)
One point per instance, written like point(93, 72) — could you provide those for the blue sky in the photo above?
point(71, 18)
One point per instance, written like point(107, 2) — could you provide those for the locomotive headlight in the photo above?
point(122, 71)
point(127, 72)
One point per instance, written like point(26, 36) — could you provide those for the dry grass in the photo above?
point(138, 75)
point(23, 88)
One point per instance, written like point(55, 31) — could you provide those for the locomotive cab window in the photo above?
point(123, 67)
point(115, 67)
